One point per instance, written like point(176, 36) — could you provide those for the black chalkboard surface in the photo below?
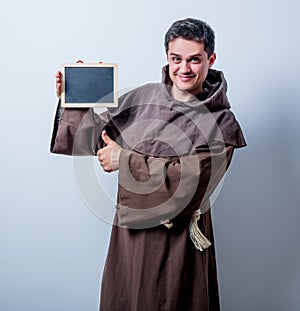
point(89, 85)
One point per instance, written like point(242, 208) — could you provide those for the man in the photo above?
point(172, 143)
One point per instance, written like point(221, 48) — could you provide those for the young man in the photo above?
point(172, 143)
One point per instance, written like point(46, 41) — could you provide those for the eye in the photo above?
point(176, 59)
point(195, 60)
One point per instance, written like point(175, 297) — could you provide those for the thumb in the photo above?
point(106, 138)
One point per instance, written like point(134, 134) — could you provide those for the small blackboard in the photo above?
point(89, 85)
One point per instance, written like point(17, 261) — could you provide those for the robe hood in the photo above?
point(152, 122)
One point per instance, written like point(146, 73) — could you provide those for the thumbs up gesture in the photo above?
point(110, 154)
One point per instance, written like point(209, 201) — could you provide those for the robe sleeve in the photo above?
point(153, 190)
point(77, 131)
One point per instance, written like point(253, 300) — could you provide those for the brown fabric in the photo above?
point(78, 132)
point(152, 190)
point(159, 269)
point(174, 156)
point(75, 125)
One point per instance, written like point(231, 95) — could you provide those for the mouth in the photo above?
point(186, 78)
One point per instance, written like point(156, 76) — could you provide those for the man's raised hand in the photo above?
point(58, 78)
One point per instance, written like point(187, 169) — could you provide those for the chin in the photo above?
point(184, 88)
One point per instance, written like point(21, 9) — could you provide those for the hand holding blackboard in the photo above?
point(58, 78)
point(87, 85)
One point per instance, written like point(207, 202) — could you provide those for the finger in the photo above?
point(58, 75)
point(101, 159)
point(107, 168)
point(106, 139)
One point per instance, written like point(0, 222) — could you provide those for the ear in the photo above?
point(212, 59)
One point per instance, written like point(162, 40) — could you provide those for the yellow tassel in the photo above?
point(197, 237)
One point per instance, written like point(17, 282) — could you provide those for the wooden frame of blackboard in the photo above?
point(87, 85)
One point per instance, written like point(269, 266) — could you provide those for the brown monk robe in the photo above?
point(161, 256)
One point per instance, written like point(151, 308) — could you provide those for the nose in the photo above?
point(185, 67)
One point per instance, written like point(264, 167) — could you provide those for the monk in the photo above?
point(171, 143)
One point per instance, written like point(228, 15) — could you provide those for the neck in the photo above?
point(182, 96)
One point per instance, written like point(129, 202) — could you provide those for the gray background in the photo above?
point(52, 247)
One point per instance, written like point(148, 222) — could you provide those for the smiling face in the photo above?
point(188, 66)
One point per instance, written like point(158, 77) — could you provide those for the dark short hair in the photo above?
point(192, 29)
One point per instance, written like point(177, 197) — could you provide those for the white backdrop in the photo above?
point(52, 248)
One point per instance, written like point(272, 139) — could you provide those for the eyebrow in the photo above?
point(194, 55)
